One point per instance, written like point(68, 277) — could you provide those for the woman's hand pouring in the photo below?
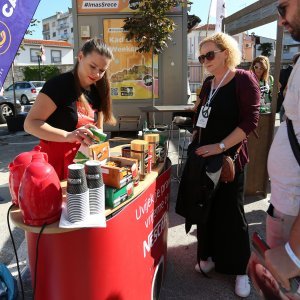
point(82, 135)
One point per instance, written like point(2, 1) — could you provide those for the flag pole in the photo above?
point(207, 23)
point(206, 34)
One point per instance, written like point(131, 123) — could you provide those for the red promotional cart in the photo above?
point(125, 260)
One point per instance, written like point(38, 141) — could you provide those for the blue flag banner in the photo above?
point(15, 17)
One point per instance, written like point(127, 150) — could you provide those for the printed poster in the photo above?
point(112, 6)
point(131, 71)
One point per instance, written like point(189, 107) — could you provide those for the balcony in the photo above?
point(63, 26)
point(64, 37)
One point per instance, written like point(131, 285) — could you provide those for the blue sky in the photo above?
point(46, 9)
point(199, 8)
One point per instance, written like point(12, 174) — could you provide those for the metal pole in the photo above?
point(206, 34)
point(39, 62)
point(153, 82)
point(13, 80)
point(207, 23)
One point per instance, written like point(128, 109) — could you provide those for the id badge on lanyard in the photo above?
point(205, 110)
point(203, 116)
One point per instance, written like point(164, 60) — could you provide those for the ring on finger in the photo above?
point(206, 152)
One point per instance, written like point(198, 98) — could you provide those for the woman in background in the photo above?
point(70, 103)
point(260, 66)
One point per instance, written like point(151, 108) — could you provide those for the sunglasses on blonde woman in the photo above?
point(209, 56)
point(258, 68)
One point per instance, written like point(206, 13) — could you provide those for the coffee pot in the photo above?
point(16, 171)
point(40, 193)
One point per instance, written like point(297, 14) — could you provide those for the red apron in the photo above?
point(61, 155)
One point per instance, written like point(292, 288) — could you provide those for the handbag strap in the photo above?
point(293, 139)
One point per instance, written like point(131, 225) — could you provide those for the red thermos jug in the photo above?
point(16, 171)
point(40, 194)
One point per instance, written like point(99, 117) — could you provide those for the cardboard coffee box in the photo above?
point(114, 196)
point(114, 176)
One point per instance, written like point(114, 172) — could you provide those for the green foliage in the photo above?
point(29, 31)
point(150, 27)
point(266, 49)
point(32, 72)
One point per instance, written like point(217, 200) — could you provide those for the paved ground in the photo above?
point(181, 281)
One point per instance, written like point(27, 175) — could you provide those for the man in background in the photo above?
point(283, 80)
point(283, 220)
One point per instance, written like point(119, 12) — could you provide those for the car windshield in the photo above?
point(38, 83)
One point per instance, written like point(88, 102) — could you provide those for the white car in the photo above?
point(26, 91)
point(7, 108)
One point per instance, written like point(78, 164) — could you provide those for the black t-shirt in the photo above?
point(62, 91)
point(224, 116)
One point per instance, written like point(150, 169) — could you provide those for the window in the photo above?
point(34, 54)
point(53, 24)
point(55, 56)
point(54, 34)
point(72, 29)
point(46, 27)
point(10, 88)
point(19, 86)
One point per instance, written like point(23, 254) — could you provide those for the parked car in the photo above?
point(7, 108)
point(26, 91)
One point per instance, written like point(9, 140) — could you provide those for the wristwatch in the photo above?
point(222, 146)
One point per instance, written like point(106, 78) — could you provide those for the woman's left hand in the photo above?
point(208, 150)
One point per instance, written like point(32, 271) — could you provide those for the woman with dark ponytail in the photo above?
point(71, 103)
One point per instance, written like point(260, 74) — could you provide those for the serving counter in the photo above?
point(125, 260)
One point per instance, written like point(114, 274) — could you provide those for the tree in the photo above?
point(150, 27)
point(266, 49)
point(29, 31)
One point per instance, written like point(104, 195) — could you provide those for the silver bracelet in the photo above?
point(292, 255)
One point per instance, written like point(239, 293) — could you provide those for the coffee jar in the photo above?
point(153, 140)
point(139, 151)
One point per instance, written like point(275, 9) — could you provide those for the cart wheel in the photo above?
point(157, 280)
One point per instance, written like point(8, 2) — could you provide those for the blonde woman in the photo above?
point(261, 68)
point(227, 113)
point(70, 103)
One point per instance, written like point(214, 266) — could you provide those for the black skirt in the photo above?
point(225, 236)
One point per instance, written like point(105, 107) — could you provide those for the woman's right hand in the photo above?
point(81, 135)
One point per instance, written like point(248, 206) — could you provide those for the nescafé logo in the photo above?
point(5, 38)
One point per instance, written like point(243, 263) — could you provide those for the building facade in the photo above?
point(290, 46)
point(55, 53)
point(59, 27)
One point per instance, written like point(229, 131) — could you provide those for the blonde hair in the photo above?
point(225, 42)
point(264, 61)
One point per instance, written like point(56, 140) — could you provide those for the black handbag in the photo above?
point(293, 139)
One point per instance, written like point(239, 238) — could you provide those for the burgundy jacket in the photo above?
point(248, 95)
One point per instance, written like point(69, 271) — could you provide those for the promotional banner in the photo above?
point(15, 17)
point(112, 6)
point(131, 71)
